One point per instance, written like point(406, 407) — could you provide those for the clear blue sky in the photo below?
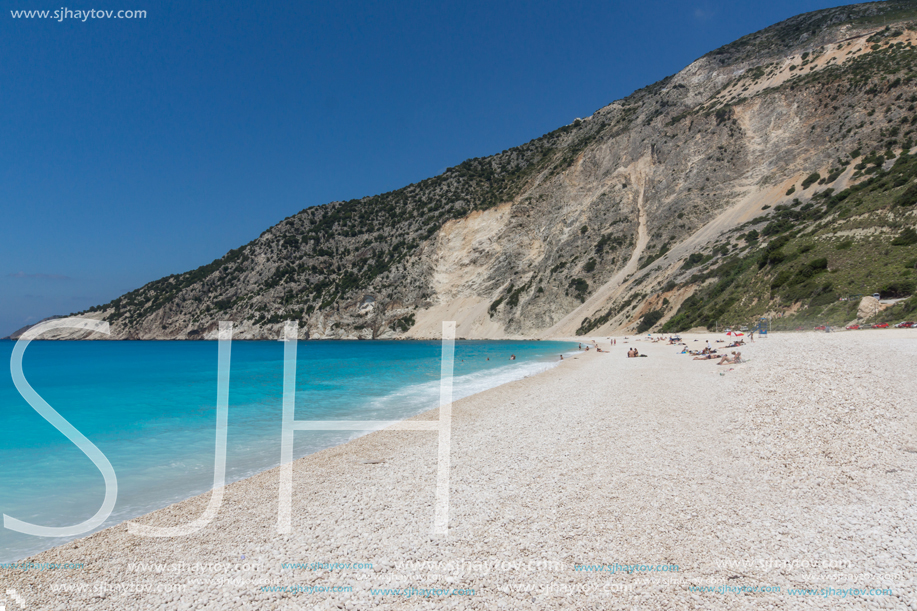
point(132, 149)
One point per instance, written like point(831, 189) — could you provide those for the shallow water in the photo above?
point(150, 407)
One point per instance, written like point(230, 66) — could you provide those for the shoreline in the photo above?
point(576, 339)
point(540, 365)
point(577, 464)
point(310, 339)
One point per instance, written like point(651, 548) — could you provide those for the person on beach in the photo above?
point(512, 357)
point(561, 357)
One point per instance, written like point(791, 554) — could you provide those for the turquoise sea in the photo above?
point(150, 407)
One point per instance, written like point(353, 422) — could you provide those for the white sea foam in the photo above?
point(257, 449)
point(417, 398)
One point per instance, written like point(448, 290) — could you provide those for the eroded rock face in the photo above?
point(591, 222)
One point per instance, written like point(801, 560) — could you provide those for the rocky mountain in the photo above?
point(771, 177)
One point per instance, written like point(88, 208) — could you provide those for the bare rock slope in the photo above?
point(646, 207)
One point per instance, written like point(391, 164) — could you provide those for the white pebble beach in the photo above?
point(718, 487)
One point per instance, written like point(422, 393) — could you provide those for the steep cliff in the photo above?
point(683, 204)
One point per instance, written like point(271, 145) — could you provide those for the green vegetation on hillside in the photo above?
point(819, 258)
point(803, 260)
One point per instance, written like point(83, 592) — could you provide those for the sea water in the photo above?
point(150, 407)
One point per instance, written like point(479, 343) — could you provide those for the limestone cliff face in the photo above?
point(586, 228)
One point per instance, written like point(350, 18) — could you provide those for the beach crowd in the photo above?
point(709, 352)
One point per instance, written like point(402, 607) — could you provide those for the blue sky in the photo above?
point(132, 149)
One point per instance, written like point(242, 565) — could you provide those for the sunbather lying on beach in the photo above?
point(730, 361)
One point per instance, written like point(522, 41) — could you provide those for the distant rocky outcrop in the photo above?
point(18, 333)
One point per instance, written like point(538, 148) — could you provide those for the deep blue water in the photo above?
point(150, 407)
